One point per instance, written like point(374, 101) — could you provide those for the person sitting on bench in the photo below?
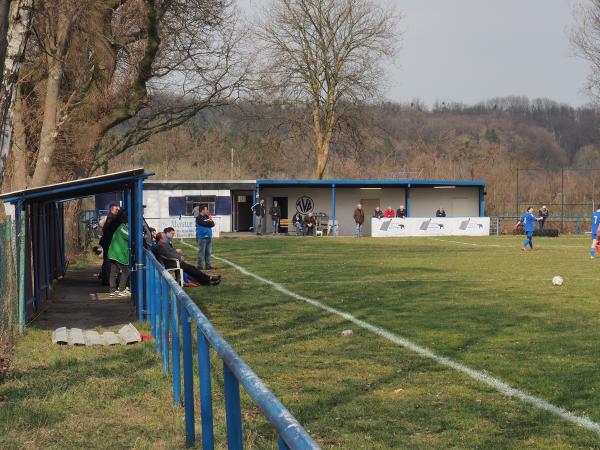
point(167, 255)
point(311, 224)
point(298, 222)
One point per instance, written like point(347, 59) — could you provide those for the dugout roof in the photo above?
point(374, 183)
point(40, 236)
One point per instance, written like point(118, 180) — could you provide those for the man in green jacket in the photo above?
point(118, 255)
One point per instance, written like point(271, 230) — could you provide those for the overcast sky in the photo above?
point(472, 50)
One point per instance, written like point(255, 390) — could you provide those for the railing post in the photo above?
point(175, 350)
point(165, 324)
point(206, 412)
point(233, 411)
point(149, 293)
point(188, 378)
point(157, 305)
point(282, 444)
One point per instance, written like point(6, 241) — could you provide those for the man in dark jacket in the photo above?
point(108, 229)
point(298, 222)
point(544, 214)
point(378, 213)
point(310, 224)
point(359, 220)
point(204, 226)
point(440, 212)
point(275, 213)
point(167, 255)
point(260, 211)
point(401, 212)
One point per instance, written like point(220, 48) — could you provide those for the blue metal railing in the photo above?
point(172, 314)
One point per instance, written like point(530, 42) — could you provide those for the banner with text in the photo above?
point(185, 226)
point(431, 226)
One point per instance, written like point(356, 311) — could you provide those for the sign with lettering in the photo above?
point(431, 226)
point(305, 204)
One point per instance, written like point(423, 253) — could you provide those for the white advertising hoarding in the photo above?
point(431, 226)
point(185, 226)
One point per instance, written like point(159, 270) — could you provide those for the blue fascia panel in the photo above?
point(399, 183)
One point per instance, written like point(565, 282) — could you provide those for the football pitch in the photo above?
point(457, 342)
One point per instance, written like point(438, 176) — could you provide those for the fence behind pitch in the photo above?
point(8, 283)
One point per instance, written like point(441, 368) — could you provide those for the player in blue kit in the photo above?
point(528, 219)
point(595, 226)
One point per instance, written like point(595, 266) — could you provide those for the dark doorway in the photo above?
point(242, 220)
point(283, 204)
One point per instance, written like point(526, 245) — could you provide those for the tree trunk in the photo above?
point(19, 22)
point(20, 169)
point(322, 158)
point(73, 244)
point(49, 131)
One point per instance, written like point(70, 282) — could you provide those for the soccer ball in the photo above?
point(557, 280)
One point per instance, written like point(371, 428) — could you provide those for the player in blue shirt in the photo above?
point(528, 219)
point(595, 226)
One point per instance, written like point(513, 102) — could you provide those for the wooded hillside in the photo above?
point(448, 141)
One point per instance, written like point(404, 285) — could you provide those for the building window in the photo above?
point(202, 200)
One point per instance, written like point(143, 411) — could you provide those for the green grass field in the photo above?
point(478, 301)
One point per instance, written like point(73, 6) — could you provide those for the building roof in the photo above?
point(83, 187)
point(247, 184)
point(378, 183)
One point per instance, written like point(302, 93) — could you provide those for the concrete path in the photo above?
point(80, 301)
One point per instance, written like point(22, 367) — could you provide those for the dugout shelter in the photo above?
point(40, 234)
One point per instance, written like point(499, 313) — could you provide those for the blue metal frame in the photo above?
point(184, 315)
point(333, 209)
point(397, 183)
point(407, 200)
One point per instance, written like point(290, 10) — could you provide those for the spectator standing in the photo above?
point(401, 212)
point(204, 226)
point(440, 212)
point(298, 222)
point(311, 224)
point(359, 220)
point(389, 213)
point(260, 211)
point(378, 213)
point(108, 229)
point(275, 213)
point(544, 214)
point(118, 255)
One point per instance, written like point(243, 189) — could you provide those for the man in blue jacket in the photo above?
point(528, 219)
point(204, 226)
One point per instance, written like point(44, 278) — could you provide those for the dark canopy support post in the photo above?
point(138, 191)
point(333, 209)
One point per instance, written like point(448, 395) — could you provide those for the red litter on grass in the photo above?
point(145, 337)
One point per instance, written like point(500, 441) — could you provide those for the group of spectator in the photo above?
point(389, 213)
point(305, 225)
point(115, 250)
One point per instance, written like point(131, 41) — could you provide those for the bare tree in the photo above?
point(97, 73)
point(585, 38)
point(325, 55)
point(15, 20)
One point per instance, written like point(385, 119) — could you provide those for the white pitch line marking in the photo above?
point(500, 246)
point(495, 383)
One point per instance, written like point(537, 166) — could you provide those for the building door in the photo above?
point(369, 205)
point(242, 219)
point(283, 204)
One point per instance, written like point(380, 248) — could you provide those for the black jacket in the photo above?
point(275, 212)
point(204, 221)
point(259, 210)
point(164, 252)
point(298, 219)
point(440, 213)
point(401, 212)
